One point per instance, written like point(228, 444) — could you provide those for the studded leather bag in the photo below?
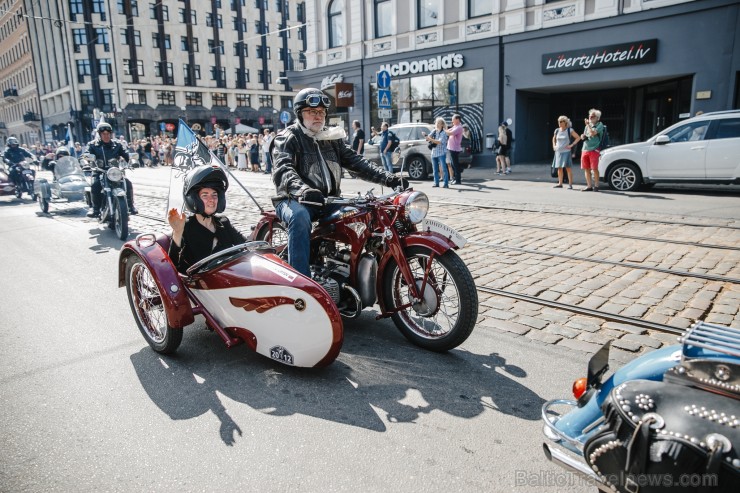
point(667, 437)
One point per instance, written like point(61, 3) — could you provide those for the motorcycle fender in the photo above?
point(174, 297)
point(41, 187)
point(650, 366)
point(119, 192)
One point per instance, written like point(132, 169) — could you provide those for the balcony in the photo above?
point(31, 118)
point(10, 94)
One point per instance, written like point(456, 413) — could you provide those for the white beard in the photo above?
point(326, 133)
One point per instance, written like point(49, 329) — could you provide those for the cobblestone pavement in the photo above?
point(510, 248)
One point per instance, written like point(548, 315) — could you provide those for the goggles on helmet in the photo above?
point(315, 100)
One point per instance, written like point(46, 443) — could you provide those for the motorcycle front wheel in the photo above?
point(43, 204)
point(447, 313)
point(146, 305)
point(120, 218)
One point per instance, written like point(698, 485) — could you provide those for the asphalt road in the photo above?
point(89, 407)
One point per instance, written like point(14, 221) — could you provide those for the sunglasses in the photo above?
point(315, 113)
point(316, 99)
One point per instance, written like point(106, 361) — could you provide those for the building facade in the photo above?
point(639, 61)
point(143, 64)
point(19, 104)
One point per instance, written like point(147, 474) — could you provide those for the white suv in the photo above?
point(703, 149)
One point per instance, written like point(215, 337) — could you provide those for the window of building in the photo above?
point(75, 7)
point(184, 46)
point(263, 52)
point(213, 47)
point(156, 43)
point(135, 96)
point(98, 7)
point(83, 69)
point(187, 17)
point(166, 97)
point(214, 19)
point(218, 99)
point(134, 7)
point(477, 8)
point(129, 67)
point(383, 18)
point(101, 35)
point(427, 13)
point(470, 86)
point(265, 101)
point(79, 39)
point(336, 21)
point(218, 73)
point(239, 24)
point(243, 100)
point(186, 71)
point(300, 12)
point(134, 38)
point(264, 77)
point(193, 98)
point(241, 48)
point(87, 98)
point(286, 102)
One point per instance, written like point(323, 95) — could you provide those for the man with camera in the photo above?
point(590, 156)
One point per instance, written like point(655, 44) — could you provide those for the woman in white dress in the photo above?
point(241, 152)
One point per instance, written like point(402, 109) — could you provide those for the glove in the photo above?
point(312, 197)
point(397, 181)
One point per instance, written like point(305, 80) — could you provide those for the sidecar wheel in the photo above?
point(447, 314)
point(146, 305)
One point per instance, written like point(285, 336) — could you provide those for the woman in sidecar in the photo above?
point(245, 292)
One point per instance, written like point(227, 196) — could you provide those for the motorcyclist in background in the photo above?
point(105, 149)
point(61, 152)
point(15, 154)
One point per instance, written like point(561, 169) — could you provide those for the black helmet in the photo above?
point(12, 141)
point(204, 176)
point(62, 151)
point(104, 126)
point(309, 98)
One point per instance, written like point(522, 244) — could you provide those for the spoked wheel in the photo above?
point(447, 313)
point(146, 305)
point(43, 204)
point(276, 236)
point(120, 218)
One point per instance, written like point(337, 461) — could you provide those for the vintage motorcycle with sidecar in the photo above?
point(69, 184)
point(385, 250)
point(246, 293)
point(667, 421)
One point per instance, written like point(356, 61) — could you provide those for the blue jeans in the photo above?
point(440, 161)
point(387, 163)
point(268, 162)
point(298, 218)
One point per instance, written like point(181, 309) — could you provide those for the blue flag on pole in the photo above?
point(190, 152)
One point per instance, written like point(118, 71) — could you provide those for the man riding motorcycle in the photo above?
point(105, 149)
point(308, 159)
point(14, 155)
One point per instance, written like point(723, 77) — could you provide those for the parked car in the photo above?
point(703, 149)
point(416, 157)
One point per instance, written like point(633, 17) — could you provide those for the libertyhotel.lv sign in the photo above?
point(618, 55)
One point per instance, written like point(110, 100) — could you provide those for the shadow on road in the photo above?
point(379, 377)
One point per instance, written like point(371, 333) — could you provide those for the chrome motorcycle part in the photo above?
point(146, 304)
point(114, 174)
point(349, 312)
point(417, 207)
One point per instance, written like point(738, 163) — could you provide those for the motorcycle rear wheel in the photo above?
point(146, 305)
point(447, 315)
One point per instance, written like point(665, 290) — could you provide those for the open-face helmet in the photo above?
point(309, 98)
point(12, 142)
point(204, 176)
point(104, 127)
point(62, 151)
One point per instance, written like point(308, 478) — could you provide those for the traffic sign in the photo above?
point(384, 79)
point(384, 98)
point(284, 117)
point(385, 114)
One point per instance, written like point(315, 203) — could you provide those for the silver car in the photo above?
point(416, 157)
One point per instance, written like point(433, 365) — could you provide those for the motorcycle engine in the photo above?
point(333, 275)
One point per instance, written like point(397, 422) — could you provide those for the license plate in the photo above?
point(442, 229)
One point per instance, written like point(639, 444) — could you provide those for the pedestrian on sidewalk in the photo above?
point(502, 150)
point(563, 141)
point(454, 146)
point(590, 155)
point(438, 143)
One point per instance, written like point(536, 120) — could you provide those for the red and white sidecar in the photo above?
point(246, 294)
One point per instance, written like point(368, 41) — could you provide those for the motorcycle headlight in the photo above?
point(114, 174)
point(417, 206)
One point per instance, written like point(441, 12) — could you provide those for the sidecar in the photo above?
point(245, 293)
point(567, 432)
point(68, 184)
point(6, 186)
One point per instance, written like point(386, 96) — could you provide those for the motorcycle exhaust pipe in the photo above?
point(572, 464)
point(358, 303)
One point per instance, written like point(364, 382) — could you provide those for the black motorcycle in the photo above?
point(113, 206)
point(25, 178)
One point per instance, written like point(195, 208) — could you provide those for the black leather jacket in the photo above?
point(300, 162)
point(106, 152)
point(17, 154)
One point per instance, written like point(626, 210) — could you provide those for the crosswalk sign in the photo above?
point(384, 98)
